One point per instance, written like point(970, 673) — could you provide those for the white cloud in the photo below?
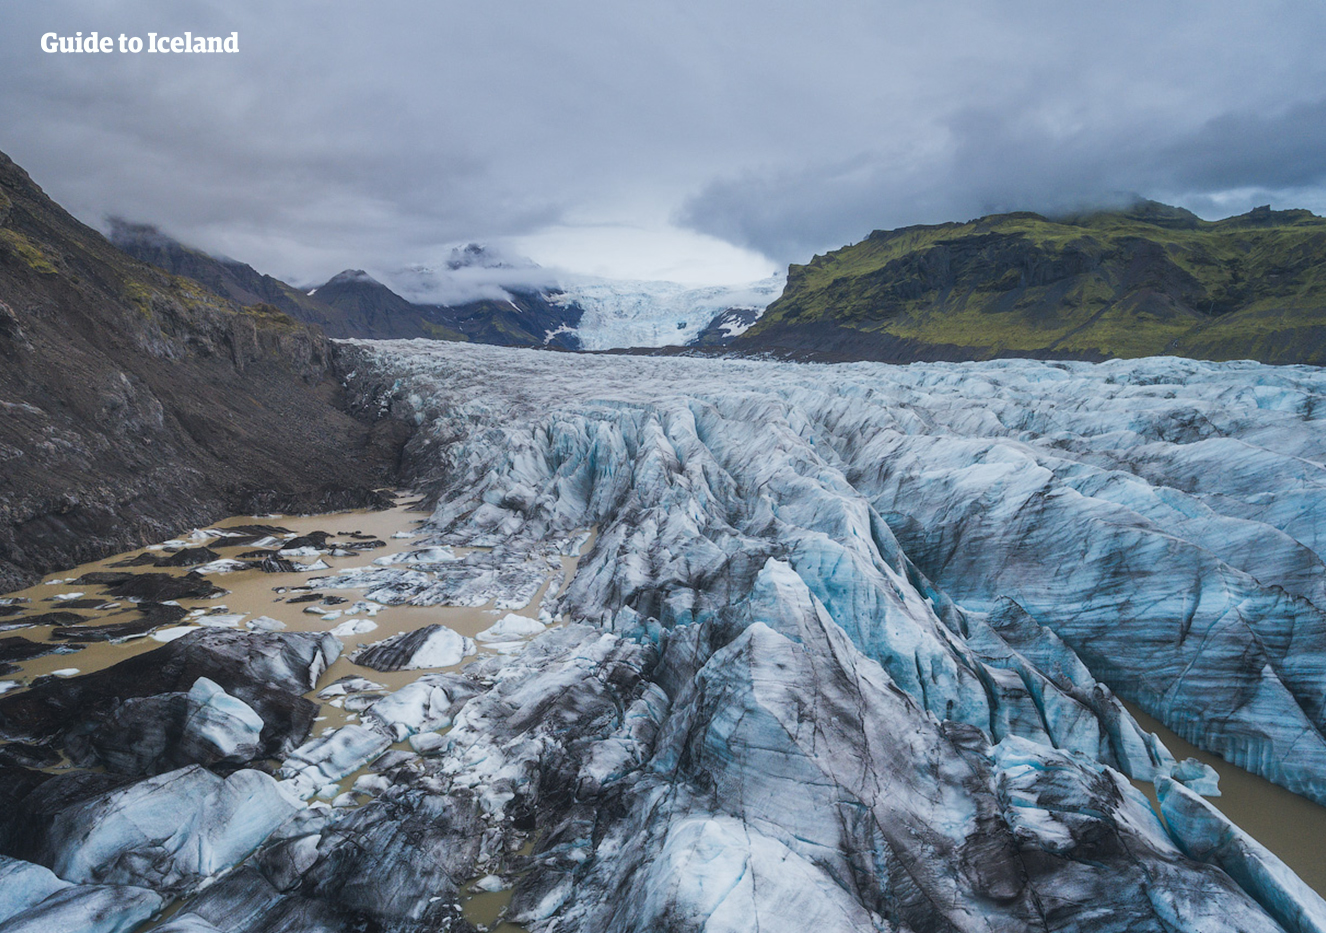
point(664, 252)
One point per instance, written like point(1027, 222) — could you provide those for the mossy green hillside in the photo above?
point(26, 251)
point(1147, 280)
point(441, 332)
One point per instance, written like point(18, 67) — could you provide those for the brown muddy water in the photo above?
point(251, 594)
point(1292, 827)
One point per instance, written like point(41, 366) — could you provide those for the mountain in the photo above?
point(478, 295)
point(137, 403)
point(1151, 279)
point(372, 310)
point(237, 281)
point(726, 327)
point(532, 308)
point(524, 319)
point(495, 299)
point(352, 304)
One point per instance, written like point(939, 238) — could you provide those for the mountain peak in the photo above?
point(350, 276)
point(1162, 215)
point(1265, 217)
point(126, 232)
point(473, 254)
point(480, 256)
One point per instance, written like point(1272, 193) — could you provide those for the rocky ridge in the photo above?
point(136, 403)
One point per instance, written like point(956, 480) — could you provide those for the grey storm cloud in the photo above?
point(379, 135)
point(1229, 164)
point(1280, 149)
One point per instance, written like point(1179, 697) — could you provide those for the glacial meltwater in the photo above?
point(260, 599)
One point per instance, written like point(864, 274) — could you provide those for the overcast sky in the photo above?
point(704, 142)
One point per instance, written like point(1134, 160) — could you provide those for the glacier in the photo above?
point(848, 641)
point(1203, 831)
point(615, 312)
point(1156, 518)
point(627, 313)
point(844, 646)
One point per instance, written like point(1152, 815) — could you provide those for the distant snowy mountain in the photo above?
point(622, 313)
point(616, 312)
point(480, 294)
point(471, 273)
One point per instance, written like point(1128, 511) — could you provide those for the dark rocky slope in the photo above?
point(528, 319)
point(1149, 280)
point(373, 311)
point(725, 327)
point(136, 403)
point(228, 278)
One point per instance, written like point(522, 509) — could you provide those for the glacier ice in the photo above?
point(34, 900)
point(1003, 548)
point(623, 313)
point(351, 627)
point(326, 759)
point(218, 726)
point(424, 705)
point(508, 580)
point(510, 627)
point(1157, 517)
point(430, 646)
point(844, 647)
point(171, 832)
